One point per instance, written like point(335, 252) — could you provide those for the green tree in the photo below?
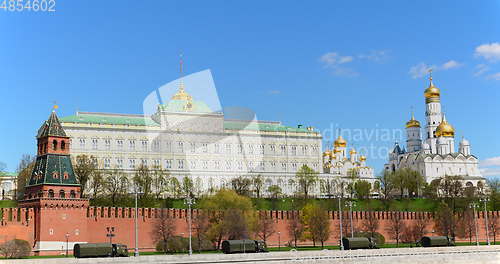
point(317, 223)
point(274, 191)
point(231, 216)
point(306, 180)
point(115, 184)
point(187, 186)
point(362, 189)
point(160, 178)
point(96, 182)
point(143, 181)
point(84, 167)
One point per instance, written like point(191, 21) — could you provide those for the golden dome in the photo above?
point(181, 94)
point(445, 129)
point(336, 150)
point(340, 142)
point(412, 122)
point(353, 151)
point(326, 153)
point(362, 158)
point(432, 93)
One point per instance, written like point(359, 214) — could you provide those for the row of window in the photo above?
point(193, 147)
point(202, 164)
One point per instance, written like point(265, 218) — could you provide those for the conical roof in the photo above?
point(51, 127)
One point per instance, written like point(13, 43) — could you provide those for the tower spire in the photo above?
point(181, 93)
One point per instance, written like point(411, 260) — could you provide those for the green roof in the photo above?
point(138, 120)
point(109, 119)
point(185, 106)
point(53, 169)
point(263, 126)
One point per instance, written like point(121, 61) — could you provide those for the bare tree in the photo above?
point(295, 227)
point(159, 181)
point(115, 184)
point(200, 227)
point(445, 220)
point(265, 226)
point(370, 223)
point(467, 225)
point(163, 230)
point(258, 184)
point(96, 182)
point(24, 169)
point(241, 185)
point(396, 227)
point(84, 167)
point(386, 183)
point(493, 227)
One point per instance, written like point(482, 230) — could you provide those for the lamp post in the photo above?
point(136, 249)
point(340, 222)
point(279, 240)
point(67, 243)
point(110, 233)
point(189, 201)
point(485, 201)
point(351, 204)
point(473, 207)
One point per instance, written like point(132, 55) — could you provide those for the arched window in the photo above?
point(62, 194)
point(72, 194)
point(54, 144)
point(469, 184)
point(51, 193)
point(63, 145)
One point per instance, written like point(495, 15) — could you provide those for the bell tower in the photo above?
point(54, 193)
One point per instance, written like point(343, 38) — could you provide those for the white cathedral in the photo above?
point(436, 156)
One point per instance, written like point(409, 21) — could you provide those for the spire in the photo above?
point(430, 78)
point(51, 127)
point(181, 93)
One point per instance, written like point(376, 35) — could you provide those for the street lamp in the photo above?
point(340, 222)
point(110, 233)
point(351, 204)
point(189, 201)
point(67, 243)
point(279, 240)
point(136, 250)
point(485, 201)
point(473, 207)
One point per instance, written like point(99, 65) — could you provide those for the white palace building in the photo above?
point(187, 138)
point(436, 156)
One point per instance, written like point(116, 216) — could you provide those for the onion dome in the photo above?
point(412, 122)
point(362, 158)
point(432, 93)
point(464, 142)
point(326, 153)
point(182, 94)
point(353, 151)
point(445, 129)
point(340, 142)
point(336, 150)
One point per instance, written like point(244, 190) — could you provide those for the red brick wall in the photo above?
point(92, 222)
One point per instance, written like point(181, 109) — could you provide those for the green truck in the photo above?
point(243, 246)
point(436, 241)
point(99, 250)
point(358, 243)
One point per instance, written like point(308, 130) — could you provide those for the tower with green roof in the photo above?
point(53, 178)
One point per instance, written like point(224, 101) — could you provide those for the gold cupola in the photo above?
point(326, 153)
point(182, 94)
point(340, 142)
point(362, 158)
point(353, 151)
point(413, 122)
point(445, 129)
point(432, 93)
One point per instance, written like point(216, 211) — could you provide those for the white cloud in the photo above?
point(480, 69)
point(450, 65)
point(422, 69)
point(495, 76)
point(490, 167)
point(333, 58)
point(274, 91)
point(374, 55)
point(495, 161)
point(489, 51)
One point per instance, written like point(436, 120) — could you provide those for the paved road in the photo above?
point(459, 255)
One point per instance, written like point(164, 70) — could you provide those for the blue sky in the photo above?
point(349, 64)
